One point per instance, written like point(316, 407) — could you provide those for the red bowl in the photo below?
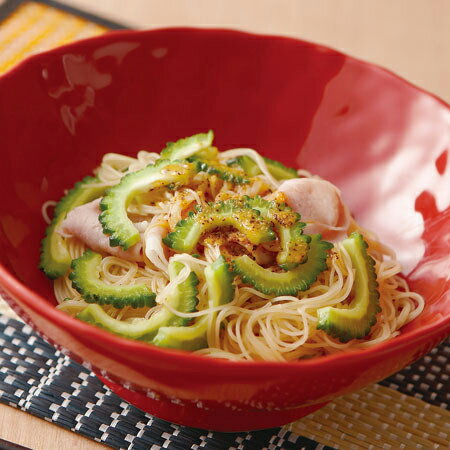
point(383, 141)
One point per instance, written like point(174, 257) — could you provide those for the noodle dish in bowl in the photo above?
point(289, 245)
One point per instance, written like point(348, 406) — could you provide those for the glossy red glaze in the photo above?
point(218, 417)
point(380, 139)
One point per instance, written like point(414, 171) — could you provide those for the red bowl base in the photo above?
point(213, 420)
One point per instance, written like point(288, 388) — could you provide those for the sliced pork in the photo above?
point(154, 248)
point(320, 205)
point(82, 222)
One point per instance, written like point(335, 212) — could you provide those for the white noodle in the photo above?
point(253, 325)
point(259, 160)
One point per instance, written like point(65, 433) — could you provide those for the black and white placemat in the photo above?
point(39, 379)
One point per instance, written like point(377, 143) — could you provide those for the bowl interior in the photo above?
point(381, 140)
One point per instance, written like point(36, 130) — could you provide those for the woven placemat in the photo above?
point(39, 379)
point(408, 410)
point(29, 27)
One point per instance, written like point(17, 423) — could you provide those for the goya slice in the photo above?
point(251, 169)
point(183, 298)
point(85, 278)
point(55, 258)
point(114, 217)
point(219, 281)
point(290, 282)
point(228, 213)
point(231, 174)
point(207, 154)
point(184, 148)
point(355, 320)
point(294, 244)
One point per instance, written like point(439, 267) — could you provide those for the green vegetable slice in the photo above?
point(231, 174)
point(294, 244)
point(290, 282)
point(278, 170)
point(183, 298)
point(228, 213)
point(355, 320)
point(207, 154)
point(55, 258)
point(184, 148)
point(219, 281)
point(85, 278)
point(114, 217)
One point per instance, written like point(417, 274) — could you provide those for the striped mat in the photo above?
point(408, 410)
point(32, 27)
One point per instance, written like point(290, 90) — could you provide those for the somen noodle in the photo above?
point(253, 325)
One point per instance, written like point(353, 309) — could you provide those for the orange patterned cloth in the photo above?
point(35, 27)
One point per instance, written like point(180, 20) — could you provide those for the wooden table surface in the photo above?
point(410, 37)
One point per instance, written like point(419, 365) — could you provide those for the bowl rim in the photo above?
point(41, 306)
point(114, 34)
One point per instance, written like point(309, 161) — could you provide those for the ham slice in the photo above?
point(320, 205)
point(154, 249)
point(82, 222)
